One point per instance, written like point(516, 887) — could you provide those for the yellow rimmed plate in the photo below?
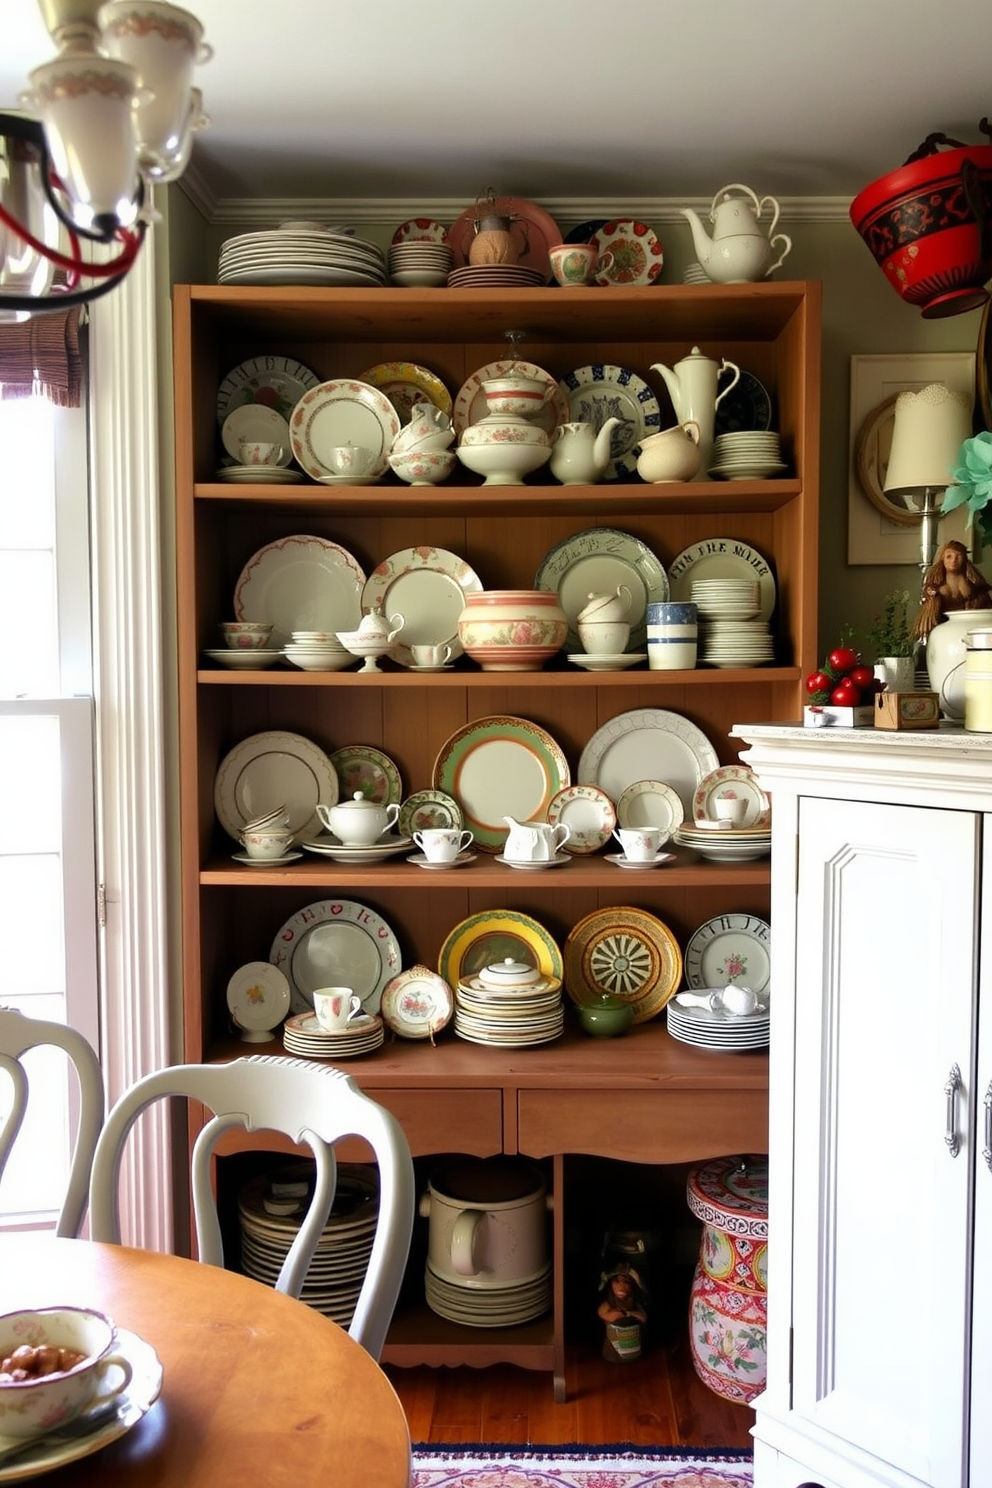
point(404, 384)
point(493, 935)
point(624, 953)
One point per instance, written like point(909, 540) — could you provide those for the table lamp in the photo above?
point(927, 432)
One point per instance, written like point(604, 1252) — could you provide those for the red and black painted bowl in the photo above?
point(929, 226)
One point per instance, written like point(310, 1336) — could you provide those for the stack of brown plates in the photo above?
point(495, 276)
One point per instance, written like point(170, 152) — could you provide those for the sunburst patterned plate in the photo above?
point(624, 953)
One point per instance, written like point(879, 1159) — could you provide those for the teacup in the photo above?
point(604, 637)
point(334, 1007)
point(729, 808)
point(641, 844)
point(261, 452)
point(29, 1407)
point(355, 460)
point(267, 844)
point(425, 655)
point(246, 635)
point(573, 263)
point(442, 844)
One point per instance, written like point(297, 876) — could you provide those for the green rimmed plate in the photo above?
point(360, 768)
point(500, 767)
point(493, 935)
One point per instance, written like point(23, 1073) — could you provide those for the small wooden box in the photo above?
point(907, 710)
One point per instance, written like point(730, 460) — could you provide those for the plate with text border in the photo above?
point(599, 561)
point(722, 558)
point(730, 948)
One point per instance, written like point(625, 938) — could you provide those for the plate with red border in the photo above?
point(419, 230)
point(638, 257)
point(589, 815)
point(532, 229)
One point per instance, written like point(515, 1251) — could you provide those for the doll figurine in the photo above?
point(623, 1313)
point(952, 582)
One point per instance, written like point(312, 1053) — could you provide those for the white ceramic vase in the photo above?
point(946, 653)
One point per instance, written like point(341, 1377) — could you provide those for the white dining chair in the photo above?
point(316, 1105)
point(19, 1034)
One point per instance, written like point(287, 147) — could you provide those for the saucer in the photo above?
point(606, 662)
point(424, 862)
point(250, 862)
point(448, 666)
point(558, 861)
point(622, 861)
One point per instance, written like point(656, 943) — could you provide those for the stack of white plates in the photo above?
point(747, 454)
point(317, 651)
point(416, 263)
point(715, 1028)
point(303, 1035)
point(495, 276)
point(491, 1306)
point(731, 631)
point(300, 254)
point(511, 1019)
point(726, 844)
point(270, 1216)
point(727, 599)
point(259, 475)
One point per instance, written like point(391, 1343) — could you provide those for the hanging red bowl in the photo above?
point(929, 226)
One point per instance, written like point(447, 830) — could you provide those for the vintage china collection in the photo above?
point(300, 253)
point(303, 1035)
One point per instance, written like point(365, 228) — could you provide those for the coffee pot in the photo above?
point(692, 386)
point(740, 251)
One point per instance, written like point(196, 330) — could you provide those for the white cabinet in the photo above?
point(880, 1212)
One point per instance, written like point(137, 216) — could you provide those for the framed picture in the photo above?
point(880, 530)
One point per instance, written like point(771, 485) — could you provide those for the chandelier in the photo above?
point(114, 114)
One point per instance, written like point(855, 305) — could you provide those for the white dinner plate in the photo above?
point(599, 392)
point(497, 768)
point(722, 558)
point(342, 411)
point(730, 948)
point(258, 999)
point(427, 586)
point(336, 943)
point(255, 421)
point(274, 769)
point(300, 583)
point(650, 803)
point(648, 744)
point(599, 561)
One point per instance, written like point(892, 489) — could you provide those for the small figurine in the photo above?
point(952, 582)
point(623, 1313)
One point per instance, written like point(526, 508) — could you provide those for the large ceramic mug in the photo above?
point(487, 1222)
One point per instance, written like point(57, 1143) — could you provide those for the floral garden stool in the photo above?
point(728, 1301)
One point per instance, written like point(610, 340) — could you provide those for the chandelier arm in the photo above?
point(130, 238)
point(52, 303)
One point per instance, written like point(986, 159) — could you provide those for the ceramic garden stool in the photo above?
point(728, 1302)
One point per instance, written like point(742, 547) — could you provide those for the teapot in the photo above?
point(740, 251)
point(358, 822)
point(533, 841)
point(579, 455)
point(692, 387)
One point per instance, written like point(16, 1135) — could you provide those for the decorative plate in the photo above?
point(417, 1003)
point(425, 809)
point(648, 744)
point(651, 803)
point(623, 953)
point(500, 767)
point(274, 769)
point(584, 232)
point(258, 999)
point(598, 561)
point(588, 812)
point(420, 230)
point(300, 583)
point(730, 948)
point(493, 935)
point(533, 231)
point(359, 767)
point(599, 392)
point(427, 586)
point(722, 558)
point(470, 400)
point(342, 411)
point(254, 421)
point(736, 781)
point(746, 406)
point(277, 382)
point(637, 254)
point(404, 384)
point(336, 943)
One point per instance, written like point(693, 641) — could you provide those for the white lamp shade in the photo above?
point(927, 433)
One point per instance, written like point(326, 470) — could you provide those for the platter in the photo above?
point(492, 935)
point(336, 943)
point(274, 769)
point(404, 384)
point(300, 583)
point(651, 803)
point(417, 1003)
point(500, 767)
point(361, 769)
point(733, 780)
point(471, 406)
point(722, 558)
point(637, 255)
point(746, 406)
point(425, 809)
point(648, 744)
point(258, 999)
point(427, 586)
point(589, 814)
point(730, 948)
point(255, 421)
point(599, 392)
point(277, 382)
point(624, 953)
point(533, 231)
point(599, 561)
point(339, 412)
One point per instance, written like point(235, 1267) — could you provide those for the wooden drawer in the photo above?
point(446, 1120)
point(648, 1126)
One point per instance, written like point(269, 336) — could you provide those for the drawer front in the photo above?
point(643, 1125)
point(469, 1121)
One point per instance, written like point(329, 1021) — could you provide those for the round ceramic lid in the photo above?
point(731, 1193)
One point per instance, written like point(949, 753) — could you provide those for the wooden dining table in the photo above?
point(257, 1388)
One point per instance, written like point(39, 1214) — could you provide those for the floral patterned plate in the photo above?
point(426, 809)
point(730, 948)
point(359, 767)
point(734, 781)
point(637, 254)
point(420, 230)
point(589, 814)
point(624, 953)
point(427, 586)
point(417, 1003)
point(258, 998)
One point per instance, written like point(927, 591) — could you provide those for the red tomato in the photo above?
point(863, 677)
point(818, 682)
point(842, 660)
point(845, 694)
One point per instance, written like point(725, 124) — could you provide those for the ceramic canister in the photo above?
point(672, 634)
point(487, 1222)
point(947, 649)
point(978, 682)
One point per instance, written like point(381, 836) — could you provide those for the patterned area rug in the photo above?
point(575, 1467)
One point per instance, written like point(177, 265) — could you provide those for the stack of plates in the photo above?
point(317, 651)
point(419, 263)
point(340, 1262)
point(259, 475)
point(727, 599)
point(509, 1018)
point(488, 1307)
point(731, 630)
point(694, 273)
point(303, 1035)
point(715, 1028)
point(747, 454)
point(495, 276)
point(720, 844)
point(300, 253)
point(389, 846)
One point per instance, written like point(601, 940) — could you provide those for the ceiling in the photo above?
point(590, 99)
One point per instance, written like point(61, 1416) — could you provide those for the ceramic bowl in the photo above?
point(608, 1018)
point(32, 1406)
point(517, 397)
point(246, 635)
point(319, 658)
point(512, 630)
point(504, 464)
point(424, 467)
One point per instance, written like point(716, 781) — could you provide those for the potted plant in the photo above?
point(890, 643)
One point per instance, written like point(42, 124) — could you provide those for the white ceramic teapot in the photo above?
point(534, 842)
point(358, 822)
point(693, 388)
point(740, 250)
point(579, 454)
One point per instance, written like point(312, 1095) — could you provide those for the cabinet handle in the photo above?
point(987, 1149)
point(951, 1091)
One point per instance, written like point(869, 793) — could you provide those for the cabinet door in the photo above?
point(981, 1361)
point(885, 1008)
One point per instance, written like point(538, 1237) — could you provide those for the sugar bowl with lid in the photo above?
point(358, 822)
